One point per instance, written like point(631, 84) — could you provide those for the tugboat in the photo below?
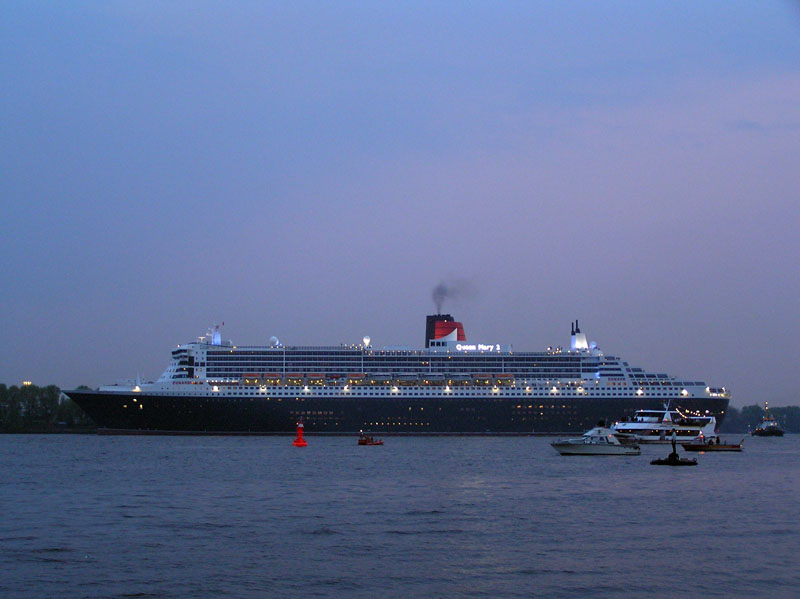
point(769, 427)
point(368, 440)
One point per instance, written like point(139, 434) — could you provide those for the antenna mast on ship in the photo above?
point(216, 338)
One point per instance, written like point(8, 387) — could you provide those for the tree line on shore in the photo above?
point(33, 409)
point(29, 408)
point(749, 417)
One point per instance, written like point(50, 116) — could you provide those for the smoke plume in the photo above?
point(450, 290)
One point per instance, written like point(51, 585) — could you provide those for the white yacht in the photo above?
point(597, 441)
point(656, 426)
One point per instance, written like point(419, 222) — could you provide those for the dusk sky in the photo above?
point(313, 170)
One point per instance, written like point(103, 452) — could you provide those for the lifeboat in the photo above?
point(315, 379)
point(407, 379)
point(380, 379)
point(506, 380)
point(294, 379)
point(272, 378)
point(483, 379)
point(356, 378)
point(433, 379)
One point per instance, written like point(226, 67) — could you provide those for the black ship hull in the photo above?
point(768, 432)
point(153, 414)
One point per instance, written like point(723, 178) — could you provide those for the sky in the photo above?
point(313, 170)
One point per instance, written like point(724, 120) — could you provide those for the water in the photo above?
point(179, 517)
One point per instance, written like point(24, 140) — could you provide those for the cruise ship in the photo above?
point(451, 386)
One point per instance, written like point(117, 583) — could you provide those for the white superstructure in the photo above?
point(656, 426)
point(597, 441)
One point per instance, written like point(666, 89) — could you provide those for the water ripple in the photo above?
point(245, 518)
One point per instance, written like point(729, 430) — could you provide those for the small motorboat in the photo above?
point(368, 440)
point(711, 444)
point(597, 441)
point(674, 460)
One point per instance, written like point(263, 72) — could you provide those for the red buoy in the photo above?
point(299, 441)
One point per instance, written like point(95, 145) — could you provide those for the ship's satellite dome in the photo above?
point(274, 340)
